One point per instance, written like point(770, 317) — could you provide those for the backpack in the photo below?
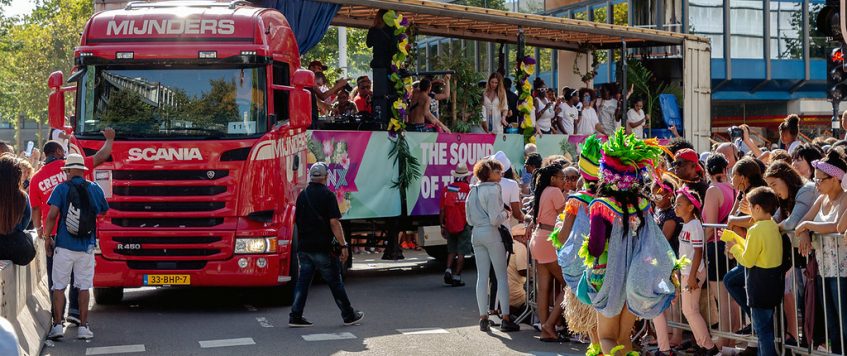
point(81, 219)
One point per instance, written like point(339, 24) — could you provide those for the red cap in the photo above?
point(687, 154)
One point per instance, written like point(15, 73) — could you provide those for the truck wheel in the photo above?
point(437, 252)
point(107, 296)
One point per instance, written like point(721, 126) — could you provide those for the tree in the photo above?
point(33, 46)
point(818, 45)
point(358, 54)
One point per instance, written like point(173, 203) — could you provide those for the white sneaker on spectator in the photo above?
point(84, 333)
point(56, 332)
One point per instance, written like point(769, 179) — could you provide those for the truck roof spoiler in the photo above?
point(146, 5)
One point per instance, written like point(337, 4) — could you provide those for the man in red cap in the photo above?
point(686, 166)
point(317, 67)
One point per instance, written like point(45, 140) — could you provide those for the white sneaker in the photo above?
point(84, 333)
point(56, 332)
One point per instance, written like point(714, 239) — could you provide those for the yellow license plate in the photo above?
point(166, 279)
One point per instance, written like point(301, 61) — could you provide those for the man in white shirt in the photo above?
point(588, 123)
point(568, 113)
point(635, 119)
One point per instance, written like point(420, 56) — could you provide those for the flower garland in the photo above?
point(402, 84)
point(526, 67)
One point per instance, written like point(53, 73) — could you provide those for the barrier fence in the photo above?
point(812, 311)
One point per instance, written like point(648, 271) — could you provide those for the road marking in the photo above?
point(227, 342)
point(106, 350)
point(328, 337)
point(264, 322)
point(422, 331)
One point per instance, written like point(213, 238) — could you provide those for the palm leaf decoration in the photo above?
point(409, 168)
point(630, 150)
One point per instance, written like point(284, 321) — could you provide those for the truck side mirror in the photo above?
point(303, 78)
point(56, 104)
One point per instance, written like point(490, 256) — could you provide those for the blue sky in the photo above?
point(19, 7)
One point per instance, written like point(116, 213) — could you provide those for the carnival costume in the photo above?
point(627, 263)
point(581, 317)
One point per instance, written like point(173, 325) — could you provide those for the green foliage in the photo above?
point(468, 93)
point(818, 45)
point(358, 54)
point(489, 4)
point(33, 46)
point(645, 86)
point(408, 166)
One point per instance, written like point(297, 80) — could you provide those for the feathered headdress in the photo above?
point(624, 159)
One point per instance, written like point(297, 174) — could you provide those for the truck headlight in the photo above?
point(254, 245)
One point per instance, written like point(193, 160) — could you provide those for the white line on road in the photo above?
point(422, 331)
point(107, 350)
point(328, 337)
point(227, 342)
point(264, 322)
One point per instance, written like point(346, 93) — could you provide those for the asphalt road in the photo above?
point(408, 312)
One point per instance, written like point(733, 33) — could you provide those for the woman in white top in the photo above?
point(635, 118)
point(545, 106)
point(495, 107)
point(588, 123)
point(607, 106)
point(823, 219)
point(567, 113)
point(789, 132)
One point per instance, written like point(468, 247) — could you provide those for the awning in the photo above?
point(474, 23)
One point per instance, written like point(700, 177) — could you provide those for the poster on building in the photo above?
point(438, 154)
point(360, 173)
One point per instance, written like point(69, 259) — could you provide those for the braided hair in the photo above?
point(542, 179)
point(626, 199)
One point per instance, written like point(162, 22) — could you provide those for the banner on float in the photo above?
point(360, 173)
point(438, 154)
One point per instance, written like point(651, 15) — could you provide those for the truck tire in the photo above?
point(438, 252)
point(107, 296)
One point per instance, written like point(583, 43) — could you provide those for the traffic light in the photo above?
point(836, 80)
point(829, 20)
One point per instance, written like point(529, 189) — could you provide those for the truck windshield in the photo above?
point(173, 103)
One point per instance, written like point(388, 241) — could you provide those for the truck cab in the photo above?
point(210, 108)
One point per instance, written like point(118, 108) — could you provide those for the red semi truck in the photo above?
point(210, 110)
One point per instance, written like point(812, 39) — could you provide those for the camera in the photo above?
point(736, 132)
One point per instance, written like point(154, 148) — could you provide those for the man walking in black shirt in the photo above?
point(320, 247)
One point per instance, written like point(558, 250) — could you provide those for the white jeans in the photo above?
point(80, 263)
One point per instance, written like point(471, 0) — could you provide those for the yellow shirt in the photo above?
point(763, 246)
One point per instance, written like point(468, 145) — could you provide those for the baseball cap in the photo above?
point(318, 171)
point(687, 154)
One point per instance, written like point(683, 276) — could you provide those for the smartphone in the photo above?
point(29, 146)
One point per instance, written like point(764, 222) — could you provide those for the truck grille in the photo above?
point(168, 206)
point(197, 174)
point(168, 191)
point(160, 252)
point(167, 240)
point(166, 222)
point(166, 265)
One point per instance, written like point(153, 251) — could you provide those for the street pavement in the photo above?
point(409, 311)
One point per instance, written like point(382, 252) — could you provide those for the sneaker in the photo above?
point(298, 322)
point(84, 333)
point(747, 330)
point(457, 283)
point(483, 325)
point(356, 319)
point(73, 319)
point(448, 277)
point(509, 326)
point(707, 352)
point(56, 332)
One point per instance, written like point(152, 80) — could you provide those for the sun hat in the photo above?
point(75, 161)
point(461, 171)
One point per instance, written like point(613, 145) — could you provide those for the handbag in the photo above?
point(334, 246)
point(505, 234)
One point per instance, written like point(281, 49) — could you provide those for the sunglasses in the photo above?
point(820, 180)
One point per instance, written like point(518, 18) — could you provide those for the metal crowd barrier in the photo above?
point(818, 344)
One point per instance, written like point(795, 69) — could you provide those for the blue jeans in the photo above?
point(330, 269)
point(763, 325)
point(736, 286)
point(828, 298)
point(73, 295)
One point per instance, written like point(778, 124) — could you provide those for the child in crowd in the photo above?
point(671, 225)
point(761, 253)
point(691, 239)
